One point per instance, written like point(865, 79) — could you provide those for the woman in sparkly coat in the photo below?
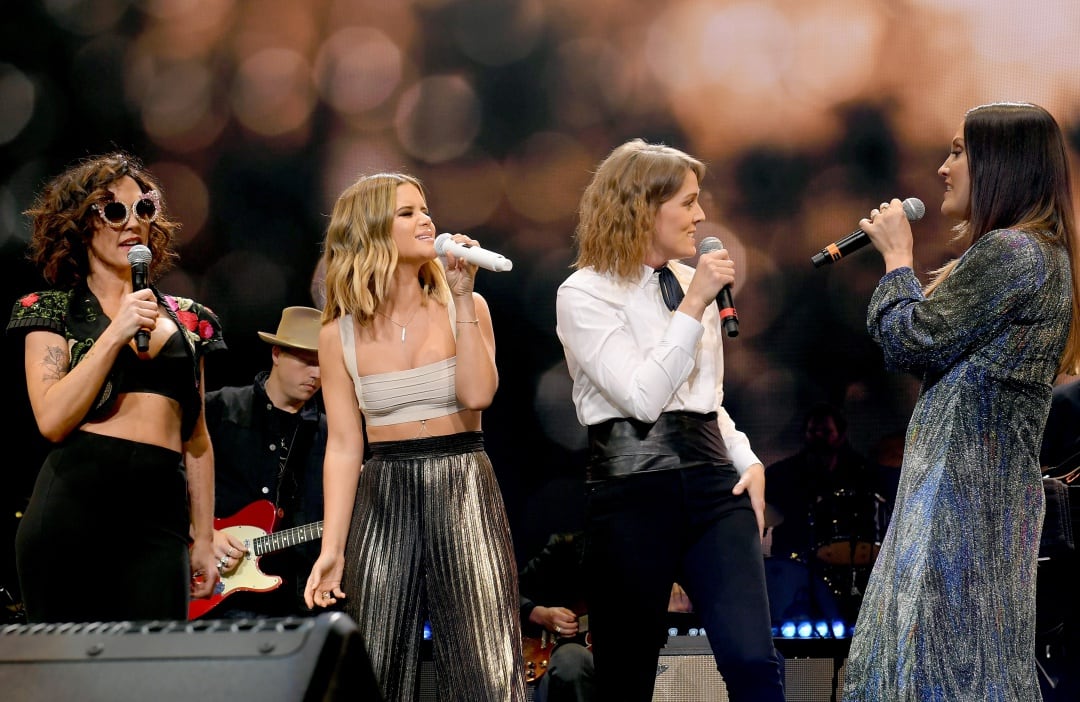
point(949, 613)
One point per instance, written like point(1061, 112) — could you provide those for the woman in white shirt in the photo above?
point(675, 493)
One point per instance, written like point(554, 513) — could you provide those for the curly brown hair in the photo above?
point(64, 218)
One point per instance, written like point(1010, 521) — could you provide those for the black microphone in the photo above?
point(728, 316)
point(913, 208)
point(139, 257)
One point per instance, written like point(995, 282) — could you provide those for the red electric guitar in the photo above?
point(253, 525)
point(536, 650)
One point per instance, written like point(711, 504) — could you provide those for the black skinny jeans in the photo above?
point(649, 529)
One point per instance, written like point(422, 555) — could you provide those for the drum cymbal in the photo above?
point(772, 516)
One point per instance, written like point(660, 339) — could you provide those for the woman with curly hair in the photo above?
point(419, 528)
point(125, 497)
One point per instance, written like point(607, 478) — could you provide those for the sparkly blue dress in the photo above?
point(949, 612)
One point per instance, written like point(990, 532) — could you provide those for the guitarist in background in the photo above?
point(552, 630)
point(558, 649)
point(269, 439)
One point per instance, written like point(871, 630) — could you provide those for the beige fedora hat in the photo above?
point(298, 329)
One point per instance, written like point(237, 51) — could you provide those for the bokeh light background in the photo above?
point(257, 113)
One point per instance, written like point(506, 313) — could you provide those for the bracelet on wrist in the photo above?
point(469, 321)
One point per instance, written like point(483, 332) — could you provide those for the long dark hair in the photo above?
point(1018, 166)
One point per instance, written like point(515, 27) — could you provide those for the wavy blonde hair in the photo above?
point(359, 252)
point(1018, 167)
point(617, 215)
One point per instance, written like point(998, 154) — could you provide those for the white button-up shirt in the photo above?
point(631, 357)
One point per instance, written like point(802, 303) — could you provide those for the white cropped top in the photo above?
point(401, 396)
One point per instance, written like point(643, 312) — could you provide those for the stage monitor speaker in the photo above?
point(687, 672)
point(316, 659)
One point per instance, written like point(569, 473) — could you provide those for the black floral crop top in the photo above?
point(77, 315)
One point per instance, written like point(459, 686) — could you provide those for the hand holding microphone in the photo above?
point(139, 257)
point(729, 318)
point(914, 209)
point(488, 260)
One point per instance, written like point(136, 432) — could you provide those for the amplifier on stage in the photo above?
point(271, 660)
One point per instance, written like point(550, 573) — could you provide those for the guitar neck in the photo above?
point(286, 538)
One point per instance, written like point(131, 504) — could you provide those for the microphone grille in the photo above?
point(914, 209)
point(139, 253)
point(710, 244)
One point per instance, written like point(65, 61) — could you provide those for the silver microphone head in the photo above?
point(139, 253)
point(441, 241)
point(710, 244)
point(914, 209)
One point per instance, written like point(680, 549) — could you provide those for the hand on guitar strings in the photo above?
point(558, 619)
point(228, 550)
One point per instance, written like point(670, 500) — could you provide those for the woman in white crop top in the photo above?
point(419, 530)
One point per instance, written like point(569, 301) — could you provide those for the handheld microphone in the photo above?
point(488, 260)
point(139, 257)
point(728, 316)
point(913, 208)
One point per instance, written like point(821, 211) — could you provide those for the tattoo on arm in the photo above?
point(55, 363)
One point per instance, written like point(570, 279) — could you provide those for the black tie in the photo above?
point(670, 288)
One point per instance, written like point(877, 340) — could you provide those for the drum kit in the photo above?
point(825, 581)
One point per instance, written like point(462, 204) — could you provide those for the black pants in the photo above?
point(569, 676)
point(649, 529)
point(105, 536)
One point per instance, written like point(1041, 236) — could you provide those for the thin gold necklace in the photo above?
point(401, 325)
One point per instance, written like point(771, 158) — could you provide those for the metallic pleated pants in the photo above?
point(429, 537)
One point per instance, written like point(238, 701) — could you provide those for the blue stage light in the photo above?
point(806, 630)
point(787, 630)
point(838, 629)
point(427, 631)
point(822, 629)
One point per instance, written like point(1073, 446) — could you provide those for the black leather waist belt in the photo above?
point(621, 447)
